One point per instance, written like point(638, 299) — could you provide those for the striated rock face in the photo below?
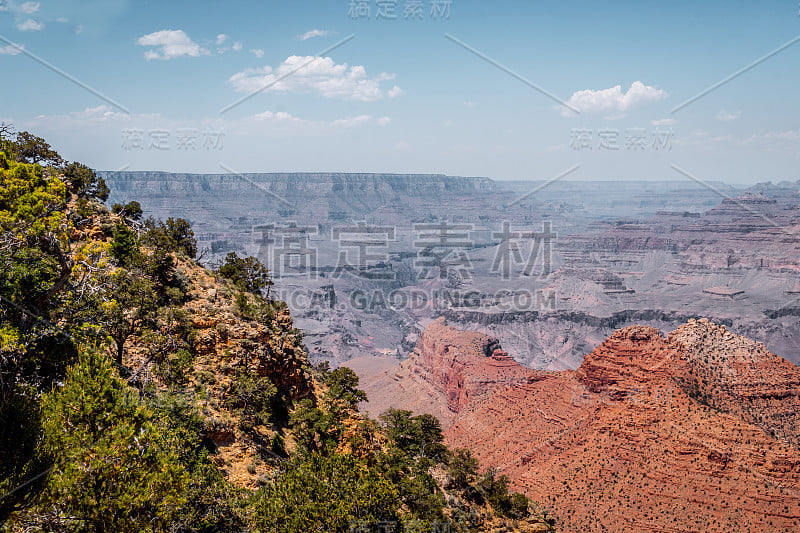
point(463, 365)
point(626, 362)
point(693, 432)
point(739, 376)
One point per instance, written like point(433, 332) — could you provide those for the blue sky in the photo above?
point(399, 96)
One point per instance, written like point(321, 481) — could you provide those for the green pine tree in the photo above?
point(115, 468)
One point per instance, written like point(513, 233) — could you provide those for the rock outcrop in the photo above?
point(693, 432)
point(225, 343)
point(463, 365)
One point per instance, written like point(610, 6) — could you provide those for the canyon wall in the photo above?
point(693, 432)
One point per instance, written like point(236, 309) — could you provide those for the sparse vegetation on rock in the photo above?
point(141, 391)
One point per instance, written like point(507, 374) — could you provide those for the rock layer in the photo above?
point(693, 432)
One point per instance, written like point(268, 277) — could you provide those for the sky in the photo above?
point(511, 90)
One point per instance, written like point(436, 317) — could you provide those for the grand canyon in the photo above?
point(622, 382)
point(381, 266)
point(695, 431)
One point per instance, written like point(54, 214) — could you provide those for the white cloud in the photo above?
point(664, 122)
point(30, 25)
point(280, 116)
point(104, 115)
point(92, 116)
point(221, 38)
point(170, 44)
point(469, 104)
point(9, 50)
point(351, 122)
point(776, 141)
point(237, 46)
point(314, 33)
point(258, 52)
point(612, 100)
point(785, 142)
point(307, 74)
point(101, 112)
point(727, 116)
point(28, 7)
point(395, 91)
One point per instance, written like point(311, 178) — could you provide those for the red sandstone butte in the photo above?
point(696, 432)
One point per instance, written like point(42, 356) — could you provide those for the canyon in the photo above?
point(527, 317)
point(355, 256)
point(695, 431)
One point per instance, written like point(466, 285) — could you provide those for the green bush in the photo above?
point(324, 493)
point(124, 246)
point(462, 468)
point(131, 210)
point(242, 305)
point(248, 274)
point(85, 183)
point(174, 235)
point(115, 468)
point(343, 388)
point(313, 429)
point(176, 367)
point(494, 489)
point(251, 396)
point(20, 456)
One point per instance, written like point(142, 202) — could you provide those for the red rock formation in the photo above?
point(695, 432)
point(463, 365)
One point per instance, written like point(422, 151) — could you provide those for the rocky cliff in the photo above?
point(462, 365)
point(693, 432)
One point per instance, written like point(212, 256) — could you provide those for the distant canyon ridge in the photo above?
point(368, 261)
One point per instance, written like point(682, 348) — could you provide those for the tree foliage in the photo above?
point(131, 308)
point(115, 469)
point(32, 149)
point(174, 235)
point(131, 210)
point(494, 489)
point(248, 274)
point(35, 267)
point(314, 430)
point(324, 493)
point(21, 458)
point(85, 183)
point(343, 388)
point(251, 396)
point(462, 468)
point(415, 436)
point(124, 245)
